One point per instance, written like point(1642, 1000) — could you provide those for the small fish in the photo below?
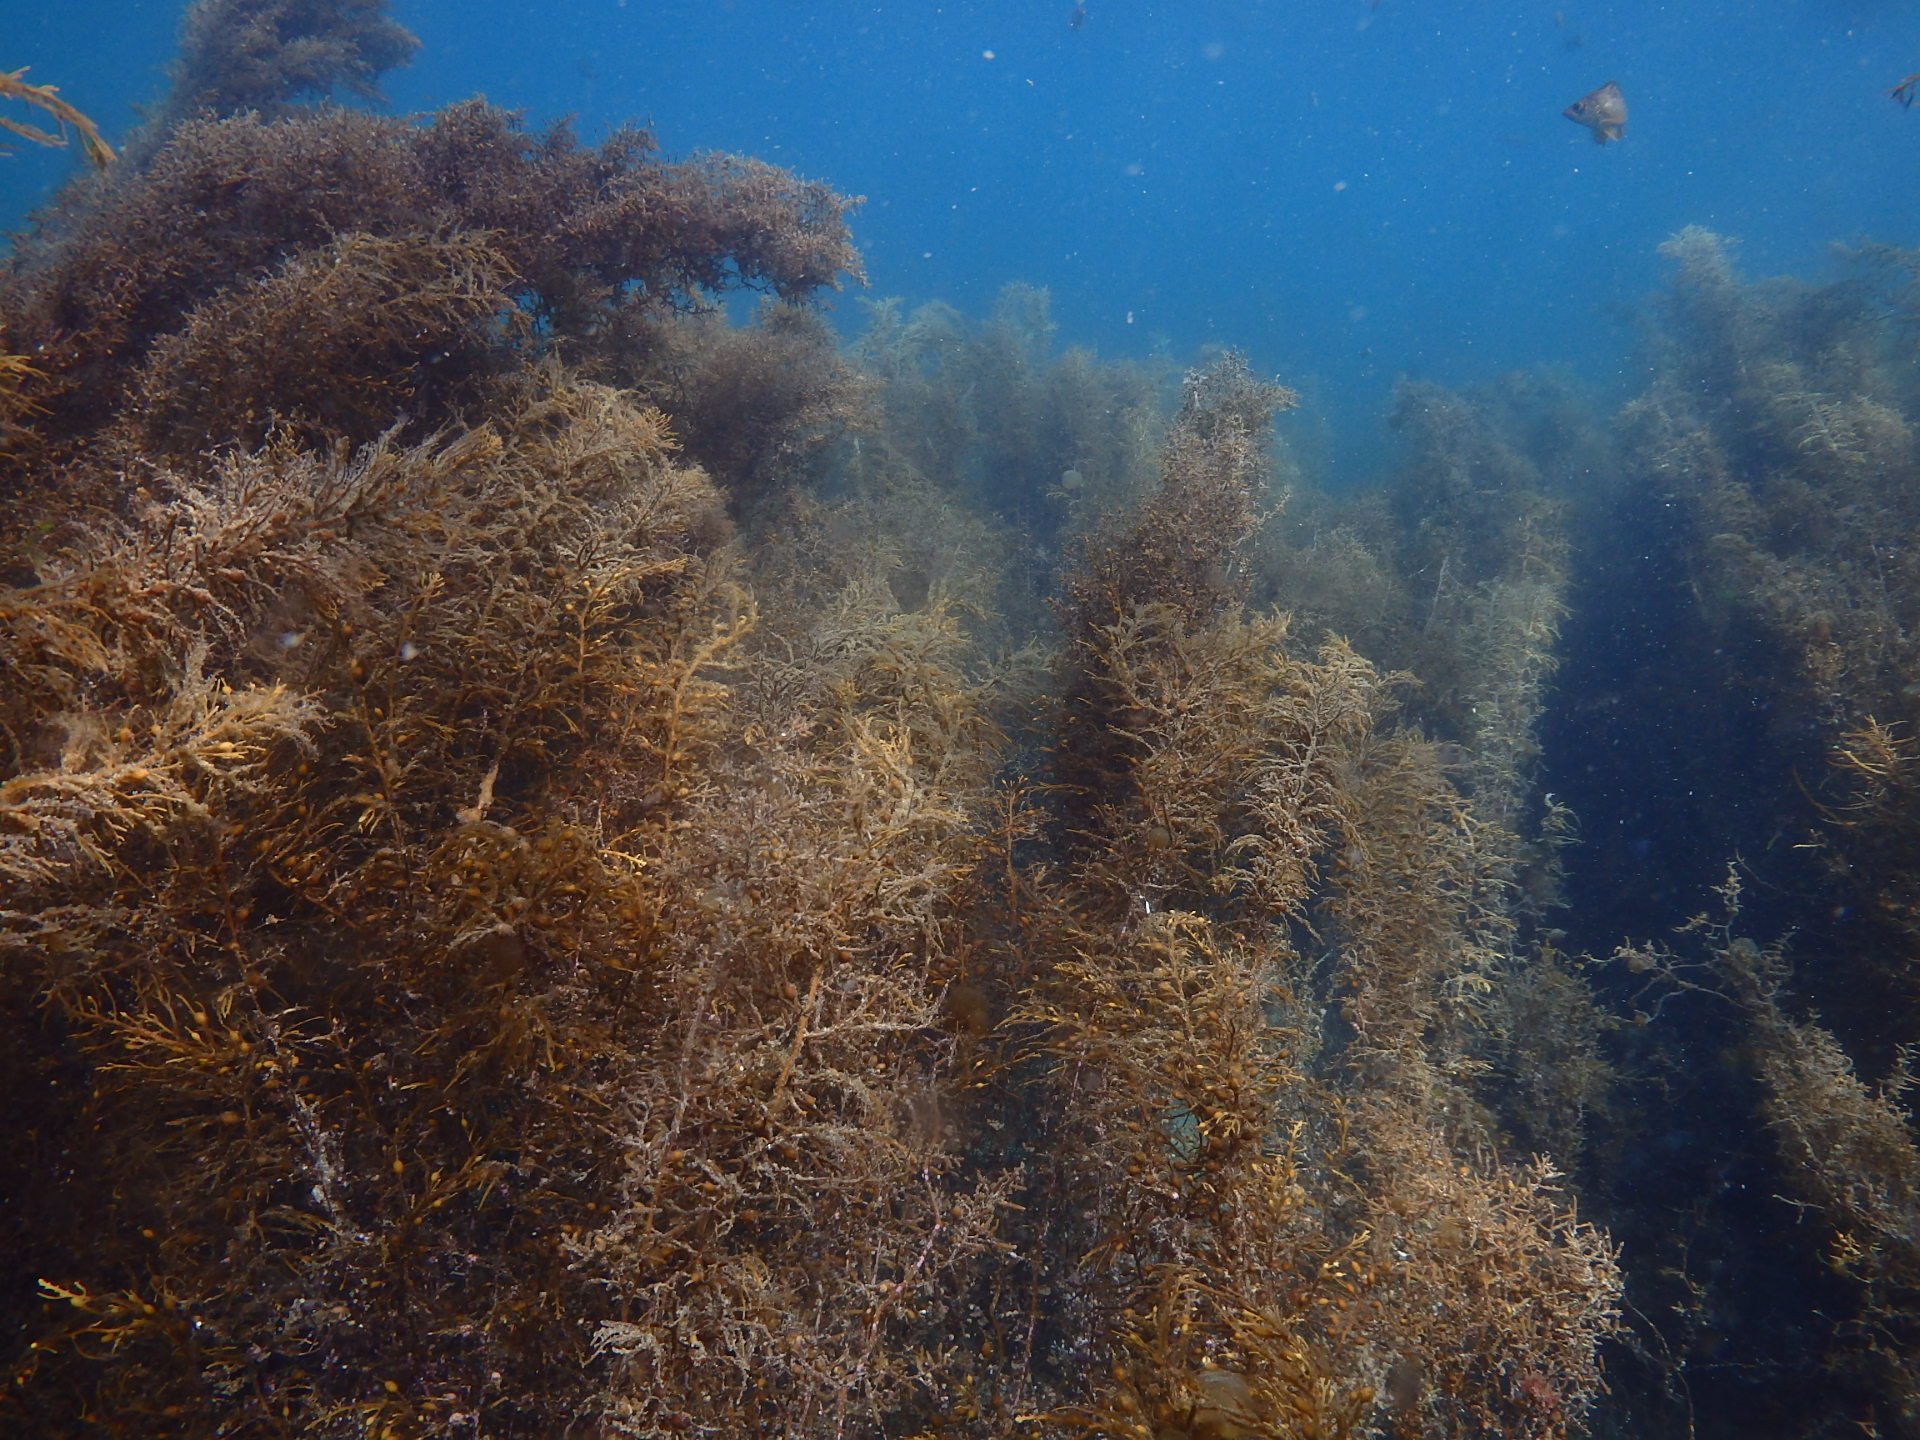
point(1077, 18)
point(1906, 91)
point(1604, 112)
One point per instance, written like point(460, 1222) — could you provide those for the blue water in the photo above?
point(1348, 191)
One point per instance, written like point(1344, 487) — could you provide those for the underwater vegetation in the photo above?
point(1734, 617)
point(46, 98)
point(581, 856)
point(264, 55)
point(550, 886)
point(1778, 437)
point(15, 371)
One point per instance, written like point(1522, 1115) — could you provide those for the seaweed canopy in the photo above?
point(362, 268)
point(46, 98)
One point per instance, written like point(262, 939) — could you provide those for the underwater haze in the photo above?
point(1351, 191)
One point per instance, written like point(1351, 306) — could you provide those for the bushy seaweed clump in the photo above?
point(357, 650)
point(989, 412)
point(262, 56)
point(369, 272)
point(1270, 1208)
point(319, 919)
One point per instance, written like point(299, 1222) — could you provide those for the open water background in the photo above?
point(1349, 191)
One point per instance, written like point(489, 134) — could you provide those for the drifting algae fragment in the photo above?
point(13, 86)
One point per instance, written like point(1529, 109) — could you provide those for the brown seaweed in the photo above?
point(14, 86)
point(498, 944)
